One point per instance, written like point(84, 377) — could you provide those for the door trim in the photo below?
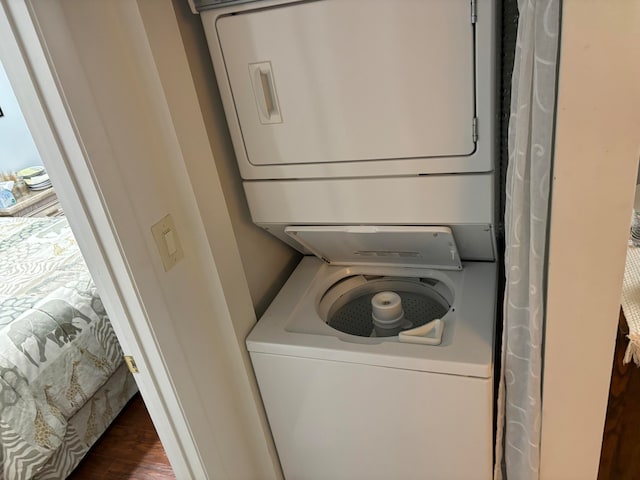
point(47, 114)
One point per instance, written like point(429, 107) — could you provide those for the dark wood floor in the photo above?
point(129, 449)
point(620, 455)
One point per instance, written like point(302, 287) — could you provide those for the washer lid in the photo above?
point(428, 247)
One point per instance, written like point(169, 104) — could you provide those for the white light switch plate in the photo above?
point(166, 237)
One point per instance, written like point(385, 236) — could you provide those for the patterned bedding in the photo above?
point(57, 347)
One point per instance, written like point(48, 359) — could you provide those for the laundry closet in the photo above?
point(365, 136)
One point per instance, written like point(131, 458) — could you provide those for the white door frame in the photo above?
point(107, 93)
point(595, 166)
point(55, 134)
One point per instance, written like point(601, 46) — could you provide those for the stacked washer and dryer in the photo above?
point(364, 131)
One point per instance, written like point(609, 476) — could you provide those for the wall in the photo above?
point(17, 149)
point(596, 159)
point(267, 261)
point(121, 69)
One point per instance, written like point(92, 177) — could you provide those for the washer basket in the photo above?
point(352, 312)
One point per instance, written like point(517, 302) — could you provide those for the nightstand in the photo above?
point(42, 203)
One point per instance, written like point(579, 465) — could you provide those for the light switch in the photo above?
point(170, 242)
point(167, 241)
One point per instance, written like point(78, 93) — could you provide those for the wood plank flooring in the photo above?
point(129, 449)
point(619, 458)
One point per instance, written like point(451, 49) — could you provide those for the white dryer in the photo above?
point(364, 131)
point(355, 88)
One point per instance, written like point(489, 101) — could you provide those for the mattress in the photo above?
point(57, 346)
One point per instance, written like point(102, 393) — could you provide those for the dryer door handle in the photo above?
point(427, 334)
point(264, 91)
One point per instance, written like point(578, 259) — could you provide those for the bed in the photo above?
point(62, 379)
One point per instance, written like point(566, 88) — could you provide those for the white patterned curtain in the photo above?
point(531, 125)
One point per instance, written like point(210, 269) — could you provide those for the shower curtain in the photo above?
point(530, 138)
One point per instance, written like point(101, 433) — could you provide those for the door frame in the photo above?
point(597, 143)
point(47, 114)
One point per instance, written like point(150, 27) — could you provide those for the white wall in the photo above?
point(267, 261)
point(596, 159)
point(17, 149)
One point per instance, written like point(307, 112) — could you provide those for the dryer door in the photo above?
point(351, 80)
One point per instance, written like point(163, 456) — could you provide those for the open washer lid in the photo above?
point(402, 246)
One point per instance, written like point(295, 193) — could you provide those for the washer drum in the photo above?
point(351, 312)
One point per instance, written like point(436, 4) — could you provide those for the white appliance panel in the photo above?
point(420, 200)
point(351, 421)
point(464, 202)
point(309, 87)
point(292, 327)
point(394, 246)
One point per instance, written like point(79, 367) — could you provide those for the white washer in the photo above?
point(343, 406)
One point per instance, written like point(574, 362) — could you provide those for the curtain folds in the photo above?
point(530, 138)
